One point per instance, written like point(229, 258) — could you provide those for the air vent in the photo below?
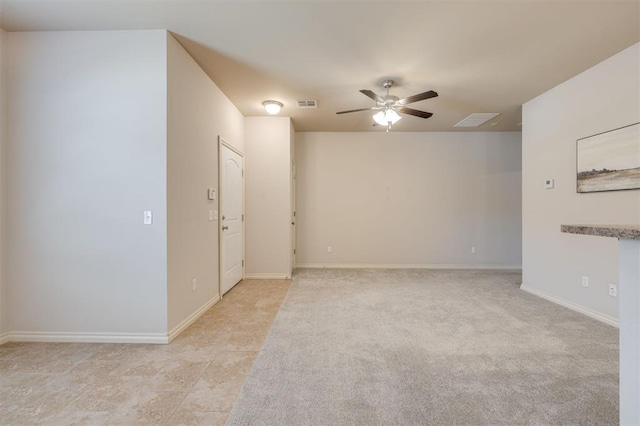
point(477, 119)
point(312, 103)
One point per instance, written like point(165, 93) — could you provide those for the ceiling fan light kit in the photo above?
point(390, 107)
point(272, 107)
point(386, 118)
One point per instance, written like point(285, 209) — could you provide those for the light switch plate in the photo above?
point(211, 193)
point(548, 184)
point(211, 215)
point(148, 217)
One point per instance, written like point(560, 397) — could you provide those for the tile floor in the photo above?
point(192, 381)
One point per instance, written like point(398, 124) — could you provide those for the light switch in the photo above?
point(548, 184)
point(212, 194)
point(148, 217)
point(211, 215)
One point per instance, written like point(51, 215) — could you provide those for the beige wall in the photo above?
point(87, 155)
point(197, 113)
point(602, 98)
point(268, 197)
point(4, 308)
point(409, 199)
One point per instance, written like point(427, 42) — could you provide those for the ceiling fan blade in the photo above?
point(419, 97)
point(411, 111)
point(356, 110)
point(372, 95)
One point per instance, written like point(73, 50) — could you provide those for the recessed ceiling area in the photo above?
point(480, 56)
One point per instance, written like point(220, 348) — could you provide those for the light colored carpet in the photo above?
point(428, 347)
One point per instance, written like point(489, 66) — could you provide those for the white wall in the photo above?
point(414, 199)
point(602, 98)
point(268, 197)
point(87, 155)
point(197, 113)
point(4, 308)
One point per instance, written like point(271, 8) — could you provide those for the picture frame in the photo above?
point(609, 161)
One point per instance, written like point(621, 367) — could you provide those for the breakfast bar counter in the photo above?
point(629, 302)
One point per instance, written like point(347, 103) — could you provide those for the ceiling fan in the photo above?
point(389, 106)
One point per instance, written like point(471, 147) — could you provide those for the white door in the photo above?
point(231, 218)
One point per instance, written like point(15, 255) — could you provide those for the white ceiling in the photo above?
point(480, 56)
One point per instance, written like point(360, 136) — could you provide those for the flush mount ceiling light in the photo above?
point(272, 107)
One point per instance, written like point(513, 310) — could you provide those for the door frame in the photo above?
point(223, 143)
point(294, 219)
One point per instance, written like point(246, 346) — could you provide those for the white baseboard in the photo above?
point(574, 307)
point(71, 337)
point(267, 276)
point(406, 266)
point(192, 318)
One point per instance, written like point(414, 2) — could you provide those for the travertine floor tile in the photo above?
point(231, 363)
point(43, 366)
point(107, 393)
point(195, 351)
point(34, 407)
point(212, 333)
point(139, 367)
point(8, 366)
point(214, 394)
point(114, 352)
point(245, 341)
point(147, 407)
point(192, 381)
point(93, 368)
point(178, 375)
point(183, 417)
point(79, 418)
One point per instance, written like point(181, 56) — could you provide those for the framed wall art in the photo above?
point(609, 161)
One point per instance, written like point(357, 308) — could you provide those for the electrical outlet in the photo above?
point(194, 284)
point(473, 250)
point(613, 290)
point(585, 281)
point(329, 249)
point(148, 217)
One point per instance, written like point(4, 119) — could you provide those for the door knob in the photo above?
point(225, 227)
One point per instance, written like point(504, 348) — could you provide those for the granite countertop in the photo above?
point(622, 232)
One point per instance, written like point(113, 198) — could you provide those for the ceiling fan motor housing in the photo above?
point(389, 100)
